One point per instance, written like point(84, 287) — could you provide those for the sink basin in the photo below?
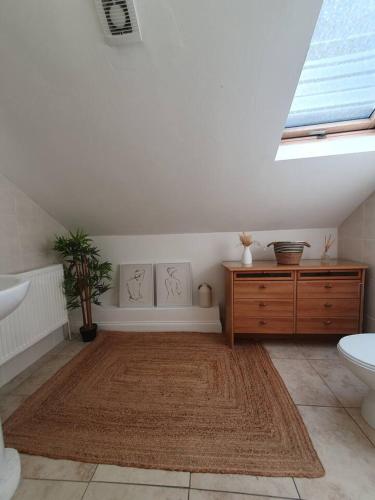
point(12, 292)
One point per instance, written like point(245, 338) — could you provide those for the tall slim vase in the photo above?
point(10, 470)
point(247, 258)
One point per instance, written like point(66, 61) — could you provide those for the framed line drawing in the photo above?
point(174, 284)
point(136, 285)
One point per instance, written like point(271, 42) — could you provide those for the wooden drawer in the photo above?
point(328, 288)
point(244, 308)
point(263, 325)
point(328, 307)
point(260, 290)
point(327, 325)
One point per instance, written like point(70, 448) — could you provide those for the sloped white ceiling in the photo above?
point(176, 134)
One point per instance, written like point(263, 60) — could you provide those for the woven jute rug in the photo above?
point(177, 401)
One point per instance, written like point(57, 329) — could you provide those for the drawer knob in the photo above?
point(262, 322)
point(328, 322)
point(328, 285)
point(327, 304)
point(262, 304)
point(262, 286)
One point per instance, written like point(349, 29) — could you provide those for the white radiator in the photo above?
point(42, 312)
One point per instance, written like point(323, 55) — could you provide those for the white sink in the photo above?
point(12, 292)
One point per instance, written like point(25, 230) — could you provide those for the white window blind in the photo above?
point(337, 82)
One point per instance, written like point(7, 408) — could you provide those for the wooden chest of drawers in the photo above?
point(311, 298)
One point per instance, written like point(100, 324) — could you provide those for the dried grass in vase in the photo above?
point(246, 239)
point(328, 242)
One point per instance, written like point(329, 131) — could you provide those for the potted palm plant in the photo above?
point(85, 277)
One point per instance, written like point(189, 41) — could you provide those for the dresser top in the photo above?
point(267, 265)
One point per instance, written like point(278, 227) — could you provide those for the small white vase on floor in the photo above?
point(247, 258)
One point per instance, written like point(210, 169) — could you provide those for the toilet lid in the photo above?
point(360, 348)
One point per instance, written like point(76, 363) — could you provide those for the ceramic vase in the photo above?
point(247, 258)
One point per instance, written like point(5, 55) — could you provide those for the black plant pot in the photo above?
point(88, 334)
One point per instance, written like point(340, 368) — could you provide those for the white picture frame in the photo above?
point(136, 287)
point(174, 287)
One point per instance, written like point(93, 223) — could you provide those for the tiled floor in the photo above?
point(327, 395)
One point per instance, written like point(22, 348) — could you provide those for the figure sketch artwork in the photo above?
point(136, 285)
point(174, 284)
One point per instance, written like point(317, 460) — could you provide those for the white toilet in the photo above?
point(358, 354)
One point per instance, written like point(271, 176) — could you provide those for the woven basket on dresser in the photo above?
point(288, 252)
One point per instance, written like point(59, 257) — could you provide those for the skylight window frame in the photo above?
point(335, 91)
point(324, 129)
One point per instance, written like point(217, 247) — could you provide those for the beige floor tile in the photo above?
point(34, 467)
point(30, 489)
point(238, 483)
point(45, 360)
point(303, 383)
point(318, 350)
point(218, 495)
point(54, 363)
point(282, 349)
point(70, 347)
point(346, 454)
point(41, 375)
point(107, 491)
point(115, 474)
point(16, 381)
point(61, 346)
point(39, 363)
point(369, 431)
point(32, 383)
point(8, 404)
point(348, 389)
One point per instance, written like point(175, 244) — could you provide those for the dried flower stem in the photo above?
point(328, 242)
point(246, 239)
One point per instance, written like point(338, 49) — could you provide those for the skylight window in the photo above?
point(336, 90)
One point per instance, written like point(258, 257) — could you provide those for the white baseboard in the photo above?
point(144, 326)
point(186, 319)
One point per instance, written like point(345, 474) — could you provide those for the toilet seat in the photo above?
point(359, 349)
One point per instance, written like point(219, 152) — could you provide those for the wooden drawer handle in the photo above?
point(328, 322)
point(262, 304)
point(262, 287)
point(327, 304)
point(328, 285)
point(262, 322)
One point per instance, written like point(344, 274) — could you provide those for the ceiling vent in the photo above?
point(119, 21)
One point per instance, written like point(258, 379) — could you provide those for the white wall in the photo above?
point(26, 231)
point(206, 251)
point(357, 242)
